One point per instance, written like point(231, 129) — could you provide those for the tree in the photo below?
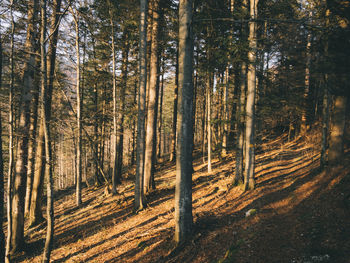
point(35, 211)
point(250, 106)
point(153, 93)
point(183, 188)
point(140, 151)
point(17, 240)
point(2, 236)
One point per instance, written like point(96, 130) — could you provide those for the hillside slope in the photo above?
point(299, 214)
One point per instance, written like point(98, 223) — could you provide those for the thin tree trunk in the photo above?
point(325, 124)
point(115, 179)
point(303, 127)
point(209, 88)
point(173, 138)
point(238, 179)
point(46, 112)
point(140, 151)
point(35, 210)
point(17, 240)
point(121, 112)
point(2, 236)
point(10, 166)
point(160, 123)
point(152, 100)
point(250, 107)
point(79, 107)
point(225, 112)
point(183, 189)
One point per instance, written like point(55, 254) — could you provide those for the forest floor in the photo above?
point(300, 214)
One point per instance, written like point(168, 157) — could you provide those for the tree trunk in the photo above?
point(325, 125)
point(10, 166)
point(2, 236)
point(176, 91)
point(140, 151)
point(152, 100)
point(35, 211)
point(115, 179)
point(336, 140)
point(46, 113)
point(79, 107)
point(183, 190)
point(121, 112)
point(238, 179)
point(17, 240)
point(209, 88)
point(250, 111)
point(160, 123)
point(225, 113)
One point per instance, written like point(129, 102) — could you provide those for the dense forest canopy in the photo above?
point(94, 92)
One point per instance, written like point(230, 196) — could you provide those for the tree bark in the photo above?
point(10, 166)
point(2, 236)
point(250, 106)
point(209, 88)
point(140, 151)
point(183, 189)
point(176, 92)
point(17, 240)
point(46, 121)
point(336, 140)
point(35, 211)
point(152, 100)
point(238, 179)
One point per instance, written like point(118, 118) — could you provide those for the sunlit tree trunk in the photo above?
point(183, 189)
point(115, 179)
point(250, 106)
point(160, 123)
point(140, 151)
point(225, 114)
point(79, 107)
point(46, 113)
point(10, 165)
point(209, 89)
point(17, 240)
point(35, 211)
point(176, 91)
point(152, 99)
point(2, 236)
point(121, 111)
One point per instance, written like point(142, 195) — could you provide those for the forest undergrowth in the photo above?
point(298, 213)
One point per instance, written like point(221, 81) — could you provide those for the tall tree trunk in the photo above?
point(46, 113)
point(304, 117)
point(17, 240)
point(225, 113)
point(121, 111)
point(140, 151)
point(2, 236)
point(250, 107)
point(176, 91)
point(10, 166)
point(115, 179)
point(183, 190)
point(160, 123)
point(209, 88)
point(336, 140)
point(79, 107)
point(238, 179)
point(152, 100)
point(31, 142)
point(325, 124)
point(35, 211)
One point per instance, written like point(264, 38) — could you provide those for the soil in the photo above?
point(298, 213)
